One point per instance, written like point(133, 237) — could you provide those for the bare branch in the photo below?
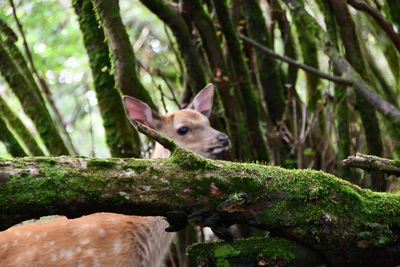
point(336, 79)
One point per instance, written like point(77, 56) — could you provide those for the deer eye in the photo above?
point(183, 130)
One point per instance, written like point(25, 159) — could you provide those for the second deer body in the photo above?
point(109, 239)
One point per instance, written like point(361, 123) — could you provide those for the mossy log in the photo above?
point(373, 163)
point(346, 224)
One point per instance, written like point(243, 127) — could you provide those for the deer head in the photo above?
point(189, 127)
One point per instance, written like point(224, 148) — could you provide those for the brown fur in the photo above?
point(100, 239)
point(200, 129)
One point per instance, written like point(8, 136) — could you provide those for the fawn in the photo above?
point(109, 239)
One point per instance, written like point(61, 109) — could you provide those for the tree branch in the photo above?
point(42, 83)
point(14, 69)
point(14, 121)
point(373, 163)
point(380, 20)
point(335, 79)
point(360, 85)
point(352, 78)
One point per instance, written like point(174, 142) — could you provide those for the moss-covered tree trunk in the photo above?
point(221, 76)
point(341, 98)
point(355, 56)
point(26, 136)
point(345, 224)
point(32, 103)
point(121, 139)
point(249, 98)
point(123, 57)
point(9, 141)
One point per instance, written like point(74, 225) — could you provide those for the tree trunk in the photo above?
point(120, 137)
point(20, 129)
point(121, 50)
point(32, 103)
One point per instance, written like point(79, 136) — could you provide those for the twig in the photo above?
point(159, 73)
point(336, 79)
point(373, 163)
point(380, 20)
point(162, 98)
point(92, 150)
point(156, 136)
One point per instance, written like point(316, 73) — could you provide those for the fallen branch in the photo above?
point(373, 163)
point(325, 213)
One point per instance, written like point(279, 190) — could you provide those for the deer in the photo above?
point(110, 239)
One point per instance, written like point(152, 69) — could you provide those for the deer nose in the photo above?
point(223, 139)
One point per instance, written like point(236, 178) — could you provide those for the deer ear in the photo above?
point(203, 101)
point(138, 111)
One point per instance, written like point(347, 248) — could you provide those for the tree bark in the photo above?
point(20, 129)
point(267, 70)
point(373, 163)
point(222, 77)
point(248, 95)
point(121, 139)
point(9, 141)
point(348, 225)
point(30, 98)
point(122, 52)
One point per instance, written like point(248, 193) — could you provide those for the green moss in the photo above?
point(19, 165)
point(350, 193)
point(396, 163)
point(96, 163)
point(188, 160)
point(140, 167)
point(255, 248)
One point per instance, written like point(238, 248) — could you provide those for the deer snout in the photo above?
point(223, 139)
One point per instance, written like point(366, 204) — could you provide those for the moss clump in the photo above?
point(396, 163)
point(96, 163)
point(252, 249)
point(140, 167)
point(48, 161)
point(19, 165)
point(188, 160)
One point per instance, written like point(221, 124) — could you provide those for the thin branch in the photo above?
point(379, 19)
point(373, 163)
point(156, 136)
point(336, 79)
point(344, 67)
